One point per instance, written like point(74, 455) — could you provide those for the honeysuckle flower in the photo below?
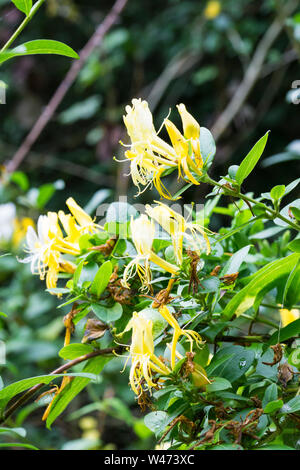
point(150, 156)
point(182, 149)
point(41, 248)
point(85, 222)
point(143, 360)
point(44, 250)
point(142, 234)
point(20, 230)
point(72, 230)
point(178, 331)
point(288, 316)
point(176, 226)
point(191, 131)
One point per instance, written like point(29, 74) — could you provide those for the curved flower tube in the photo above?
point(189, 334)
point(176, 226)
point(143, 360)
point(142, 233)
point(150, 156)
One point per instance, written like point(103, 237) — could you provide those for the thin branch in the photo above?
point(65, 85)
point(24, 23)
point(27, 395)
point(252, 74)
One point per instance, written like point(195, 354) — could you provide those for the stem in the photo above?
point(24, 23)
point(25, 397)
point(248, 199)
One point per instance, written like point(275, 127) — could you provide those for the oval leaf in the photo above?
point(101, 279)
point(251, 159)
point(39, 46)
point(260, 280)
point(23, 5)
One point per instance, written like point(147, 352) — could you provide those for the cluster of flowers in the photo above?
point(46, 247)
point(150, 156)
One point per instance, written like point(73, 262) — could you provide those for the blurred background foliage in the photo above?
point(166, 51)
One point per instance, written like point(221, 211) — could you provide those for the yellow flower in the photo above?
point(150, 156)
point(212, 10)
point(143, 359)
point(142, 234)
point(85, 222)
point(189, 334)
point(44, 250)
point(288, 316)
point(176, 226)
point(43, 255)
point(191, 131)
point(20, 229)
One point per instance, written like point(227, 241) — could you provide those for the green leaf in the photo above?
point(263, 278)
point(7, 393)
point(251, 159)
point(218, 383)
point(19, 444)
point(291, 406)
point(106, 314)
point(271, 394)
point(19, 178)
point(62, 400)
point(277, 192)
point(294, 246)
point(287, 213)
point(21, 432)
point(40, 46)
point(233, 264)
point(294, 358)
point(275, 447)
point(23, 5)
point(291, 294)
point(72, 351)
point(289, 331)
point(238, 362)
point(102, 278)
point(273, 406)
point(157, 421)
point(207, 146)
point(295, 211)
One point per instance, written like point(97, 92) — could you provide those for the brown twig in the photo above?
point(65, 85)
point(252, 74)
point(27, 395)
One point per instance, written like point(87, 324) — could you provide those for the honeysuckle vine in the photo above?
point(192, 313)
